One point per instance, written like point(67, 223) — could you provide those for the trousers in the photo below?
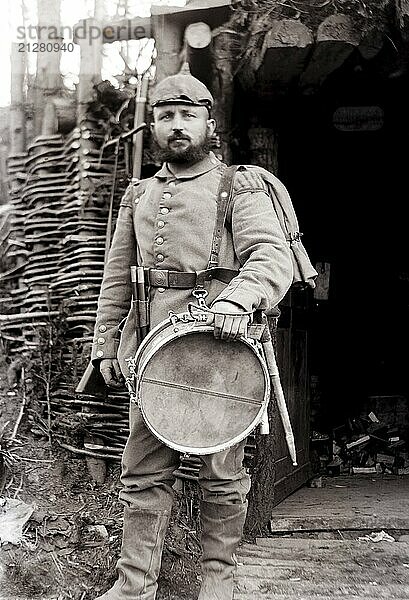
point(148, 466)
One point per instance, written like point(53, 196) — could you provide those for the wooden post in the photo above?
point(263, 153)
point(168, 34)
point(137, 142)
point(50, 122)
point(263, 471)
point(91, 62)
point(17, 106)
point(197, 52)
point(224, 51)
point(48, 79)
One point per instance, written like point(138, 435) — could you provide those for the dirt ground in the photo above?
point(71, 541)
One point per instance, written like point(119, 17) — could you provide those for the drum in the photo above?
point(197, 394)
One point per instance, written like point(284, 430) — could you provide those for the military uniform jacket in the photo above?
point(173, 221)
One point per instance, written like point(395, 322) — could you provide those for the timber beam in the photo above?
point(337, 37)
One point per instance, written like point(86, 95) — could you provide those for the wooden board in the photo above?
point(304, 569)
point(355, 502)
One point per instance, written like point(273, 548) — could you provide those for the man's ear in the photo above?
point(152, 126)
point(211, 126)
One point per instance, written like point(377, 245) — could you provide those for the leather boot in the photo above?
point(141, 554)
point(222, 528)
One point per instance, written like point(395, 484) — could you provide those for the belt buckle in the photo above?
point(159, 277)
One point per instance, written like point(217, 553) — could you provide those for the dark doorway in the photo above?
point(346, 173)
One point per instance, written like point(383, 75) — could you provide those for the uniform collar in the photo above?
point(181, 171)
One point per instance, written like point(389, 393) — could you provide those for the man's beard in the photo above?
point(194, 153)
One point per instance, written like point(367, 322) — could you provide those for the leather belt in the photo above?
point(186, 280)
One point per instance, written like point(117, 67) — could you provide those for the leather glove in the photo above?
point(227, 326)
point(111, 372)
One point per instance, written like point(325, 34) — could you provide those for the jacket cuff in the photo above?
point(244, 298)
point(104, 347)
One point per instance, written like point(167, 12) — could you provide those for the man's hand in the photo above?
point(111, 372)
point(226, 326)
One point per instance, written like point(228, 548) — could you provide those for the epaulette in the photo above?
point(248, 181)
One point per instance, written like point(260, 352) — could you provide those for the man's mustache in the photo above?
point(176, 137)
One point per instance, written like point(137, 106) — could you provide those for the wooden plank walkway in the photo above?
point(311, 569)
point(294, 565)
point(356, 502)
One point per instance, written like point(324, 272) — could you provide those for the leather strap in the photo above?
point(186, 280)
point(224, 195)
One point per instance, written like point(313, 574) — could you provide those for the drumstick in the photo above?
point(279, 395)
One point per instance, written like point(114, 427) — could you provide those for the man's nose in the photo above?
point(177, 123)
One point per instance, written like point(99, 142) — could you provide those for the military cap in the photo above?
point(181, 88)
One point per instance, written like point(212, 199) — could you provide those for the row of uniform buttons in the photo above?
point(164, 210)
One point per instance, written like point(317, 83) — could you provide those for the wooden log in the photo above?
point(197, 51)
point(285, 52)
point(168, 34)
point(226, 43)
point(140, 112)
point(48, 80)
point(90, 66)
point(263, 472)
point(17, 112)
point(337, 37)
point(50, 122)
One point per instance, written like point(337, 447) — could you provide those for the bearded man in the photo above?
point(170, 218)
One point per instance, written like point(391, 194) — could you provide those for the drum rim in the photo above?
point(181, 332)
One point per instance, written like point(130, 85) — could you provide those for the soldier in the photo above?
point(170, 219)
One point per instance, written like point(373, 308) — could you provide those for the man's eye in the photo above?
point(163, 117)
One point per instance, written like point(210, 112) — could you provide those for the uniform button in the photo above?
point(164, 210)
point(161, 289)
point(166, 195)
point(100, 353)
point(101, 340)
point(159, 240)
point(102, 328)
point(160, 257)
point(136, 200)
point(161, 224)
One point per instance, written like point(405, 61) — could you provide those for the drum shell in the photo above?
point(197, 394)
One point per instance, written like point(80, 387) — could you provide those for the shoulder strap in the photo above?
point(224, 197)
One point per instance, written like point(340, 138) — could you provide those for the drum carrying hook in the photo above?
point(200, 294)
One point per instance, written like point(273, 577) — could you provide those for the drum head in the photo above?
point(202, 395)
